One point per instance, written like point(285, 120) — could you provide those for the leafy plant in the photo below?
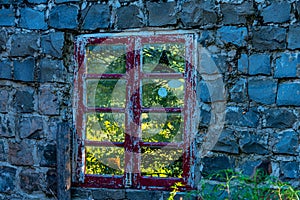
point(231, 185)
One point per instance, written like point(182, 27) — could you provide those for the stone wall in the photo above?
point(255, 45)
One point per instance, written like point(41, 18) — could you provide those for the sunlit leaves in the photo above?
point(153, 52)
point(106, 59)
point(161, 162)
point(105, 127)
point(104, 160)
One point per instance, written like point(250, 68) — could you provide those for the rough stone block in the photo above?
point(13, 2)
point(112, 194)
point(48, 101)
point(3, 152)
point(161, 14)
point(52, 44)
point(210, 91)
point(269, 38)
point(31, 127)
point(198, 13)
point(23, 101)
point(51, 179)
point(65, 1)
point(127, 17)
point(227, 143)
point(206, 38)
point(288, 142)
point(52, 71)
point(5, 69)
point(205, 115)
point(7, 126)
point(280, 118)
point(220, 62)
point(277, 12)
point(239, 117)
point(7, 179)
point(290, 170)
point(24, 70)
point(298, 6)
point(80, 193)
point(4, 100)
point(250, 143)
point(233, 35)
point(90, 22)
point(7, 17)
point(287, 65)
point(259, 64)
point(262, 91)
point(20, 153)
point(37, 1)
point(237, 14)
point(243, 64)
point(30, 180)
point(48, 155)
point(238, 92)
point(248, 167)
point(143, 194)
point(64, 17)
point(24, 44)
point(203, 92)
point(3, 39)
point(288, 94)
point(293, 38)
point(32, 19)
point(214, 164)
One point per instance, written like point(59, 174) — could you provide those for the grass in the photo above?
point(231, 185)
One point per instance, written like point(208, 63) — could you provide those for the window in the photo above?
point(135, 103)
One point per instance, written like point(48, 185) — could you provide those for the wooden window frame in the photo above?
point(133, 142)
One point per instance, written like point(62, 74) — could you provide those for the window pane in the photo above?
point(161, 162)
point(162, 127)
point(163, 92)
point(104, 160)
point(105, 127)
point(106, 59)
point(165, 58)
point(106, 93)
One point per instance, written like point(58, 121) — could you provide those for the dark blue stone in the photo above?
point(7, 17)
point(7, 179)
point(290, 170)
point(24, 70)
point(24, 101)
point(280, 118)
point(52, 44)
point(5, 70)
point(251, 143)
point(286, 66)
point(269, 38)
point(24, 44)
point(293, 38)
point(232, 34)
point(90, 22)
point(288, 94)
point(64, 17)
point(259, 64)
point(262, 91)
point(227, 143)
point(32, 19)
point(243, 64)
point(239, 117)
point(287, 144)
point(277, 12)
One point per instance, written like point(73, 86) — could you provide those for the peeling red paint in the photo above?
point(132, 144)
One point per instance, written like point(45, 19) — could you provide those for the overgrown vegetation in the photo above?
point(231, 185)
